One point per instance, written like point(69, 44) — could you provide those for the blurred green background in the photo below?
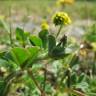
point(80, 9)
point(30, 13)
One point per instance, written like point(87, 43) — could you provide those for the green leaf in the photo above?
point(3, 62)
point(2, 88)
point(44, 37)
point(48, 89)
point(74, 78)
point(51, 43)
point(5, 84)
point(7, 62)
point(24, 57)
point(53, 50)
point(20, 55)
point(20, 34)
point(7, 56)
point(33, 55)
point(58, 52)
point(2, 54)
point(33, 51)
point(35, 41)
point(81, 77)
point(83, 86)
point(27, 34)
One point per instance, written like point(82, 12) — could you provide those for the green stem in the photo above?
point(45, 73)
point(59, 31)
point(30, 73)
point(10, 34)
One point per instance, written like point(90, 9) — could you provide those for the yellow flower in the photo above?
point(61, 18)
point(63, 2)
point(69, 1)
point(44, 25)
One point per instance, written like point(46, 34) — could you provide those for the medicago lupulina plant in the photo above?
point(41, 65)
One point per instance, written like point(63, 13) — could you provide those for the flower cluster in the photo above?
point(44, 25)
point(62, 2)
point(61, 18)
